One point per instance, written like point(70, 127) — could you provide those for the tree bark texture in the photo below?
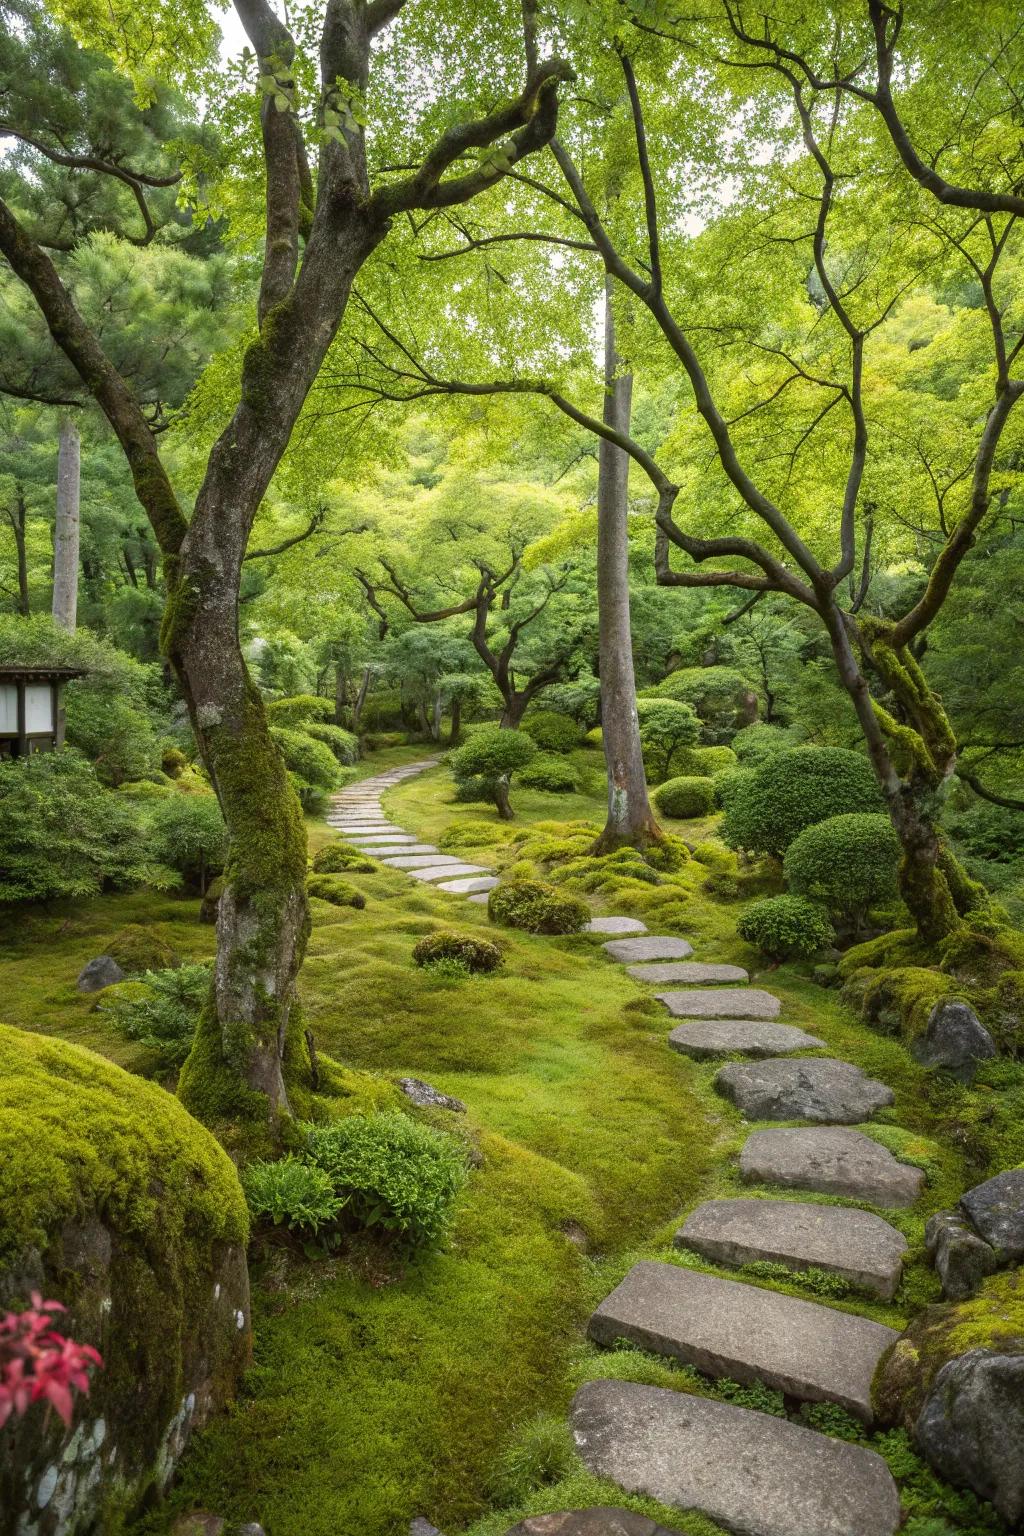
point(66, 527)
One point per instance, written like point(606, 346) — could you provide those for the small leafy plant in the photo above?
point(165, 1019)
point(291, 1193)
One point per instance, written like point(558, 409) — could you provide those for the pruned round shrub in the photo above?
point(795, 789)
point(705, 762)
point(848, 863)
point(339, 858)
point(187, 833)
point(173, 761)
point(665, 726)
point(551, 774)
point(728, 785)
point(483, 768)
point(311, 761)
point(290, 1193)
point(335, 890)
point(392, 1172)
point(685, 797)
point(784, 927)
point(474, 954)
point(298, 709)
point(755, 743)
point(342, 743)
point(137, 949)
point(551, 731)
point(536, 907)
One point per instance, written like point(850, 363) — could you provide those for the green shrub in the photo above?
point(988, 832)
point(755, 743)
point(473, 834)
point(536, 907)
point(342, 743)
point(685, 797)
point(594, 738)
point(311, 761)
point(137, 949)
point(704, 762)
point(714, 856)
point(715, 692)
point(173, 761)
point(392, 1172)
point(848, 863)
point(551, 774)
point(580, 699)
point(728, 785)
point(552, 732)
point(795, 789)
point(291, 1193)
point(63, 834)
point(339, 858)
point(335, 890)
point(299, 709)
point(785, 926)
point(187, 833)
point(665, 726)
point(475, 955)
point(483, 768)
point(164, 1018)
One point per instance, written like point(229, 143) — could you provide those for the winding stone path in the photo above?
point(755, 1474)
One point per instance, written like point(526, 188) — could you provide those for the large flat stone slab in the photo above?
point(468, 887)
point(859, 1246)
point(696, 972)
point(615, 925)
point(652, 947)
point(835, 1092)
point(446, 871)
point(480, 900)
point(700, 1038)
point(721, 1003)
point(375, 839)
point(381, 851)
point(726, 1328)
point(418, 860)
point(830, 1160)
point(589, 1522)
point(754, 1474)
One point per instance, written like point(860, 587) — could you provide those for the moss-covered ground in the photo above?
point(386, 1387)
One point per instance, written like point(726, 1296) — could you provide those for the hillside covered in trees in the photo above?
point(511, 768)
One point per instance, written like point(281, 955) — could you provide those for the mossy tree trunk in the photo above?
point(501, 799)
point(630, 821)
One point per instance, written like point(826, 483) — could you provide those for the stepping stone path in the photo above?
point(728, 1328)
point(859, 1246)
point(755, 1474)
point(615, 925)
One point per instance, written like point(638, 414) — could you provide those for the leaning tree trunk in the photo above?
point(630, 819)
point(515, 708)
point(455, 729)
point(66, 528)
point(501, 799)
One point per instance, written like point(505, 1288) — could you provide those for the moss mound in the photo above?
point(339, 858)
point(478, 955)
point(333, 889)
point(536, 907)
point(137, 949)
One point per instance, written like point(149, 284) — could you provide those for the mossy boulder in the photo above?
point(899, 1001)
point(116, 1202)
point(137, 949)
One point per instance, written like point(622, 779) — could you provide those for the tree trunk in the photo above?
point(18, 518)
point(456, 722)
point(436, 717)
point(340, 695)
point(630, 819)
point(66, 529)
point(501, 799)
point(357, 708)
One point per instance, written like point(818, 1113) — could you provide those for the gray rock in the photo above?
point(382, 851)
point(589, 1522)
point(830, 1160)
point(753, 1037)
point(421, 1527)
point(755, 1474)
point(997, 1210)
point(962, 1259)
point(428, 1097)
point(479, 900)
point(836, 1092)
point(446, 871)
point(722, 1003)
point(615, 925)
point(374, 839)
point(101, 972)
point(418, 860)
point(726, 1328)
point(859, 1246)
point(955, 1039)
point(693, 971)
point(652, 947)
point(971, 1428)
point(472, 885)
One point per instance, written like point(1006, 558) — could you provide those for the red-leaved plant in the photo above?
point(38, 1363)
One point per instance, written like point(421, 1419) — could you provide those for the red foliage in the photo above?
point(37, 1363)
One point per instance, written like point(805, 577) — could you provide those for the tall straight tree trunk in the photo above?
point(65, 533)
point(630, 819)
point(17, 516)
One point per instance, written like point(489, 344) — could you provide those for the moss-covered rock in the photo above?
point(899, 1001)
point(340, 858)
point(116, 1202)
point(137, 949)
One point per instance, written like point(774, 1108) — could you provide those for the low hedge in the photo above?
point(536, 907)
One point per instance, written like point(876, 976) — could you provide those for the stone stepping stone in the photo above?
point(615, 925)
point(587, 1522)
point(700, 1038)
point(830, 1160)
point(727, 1328)
point(375, 839)
point(693, 971)
point(651, 948)
point(446, 871)
point(480, 901)
point(392, 847)
point(859, 1246)
point(469, 886)
point(418, 860)
point(835, 1092)
point(721, 1003)
point(753, 1473)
